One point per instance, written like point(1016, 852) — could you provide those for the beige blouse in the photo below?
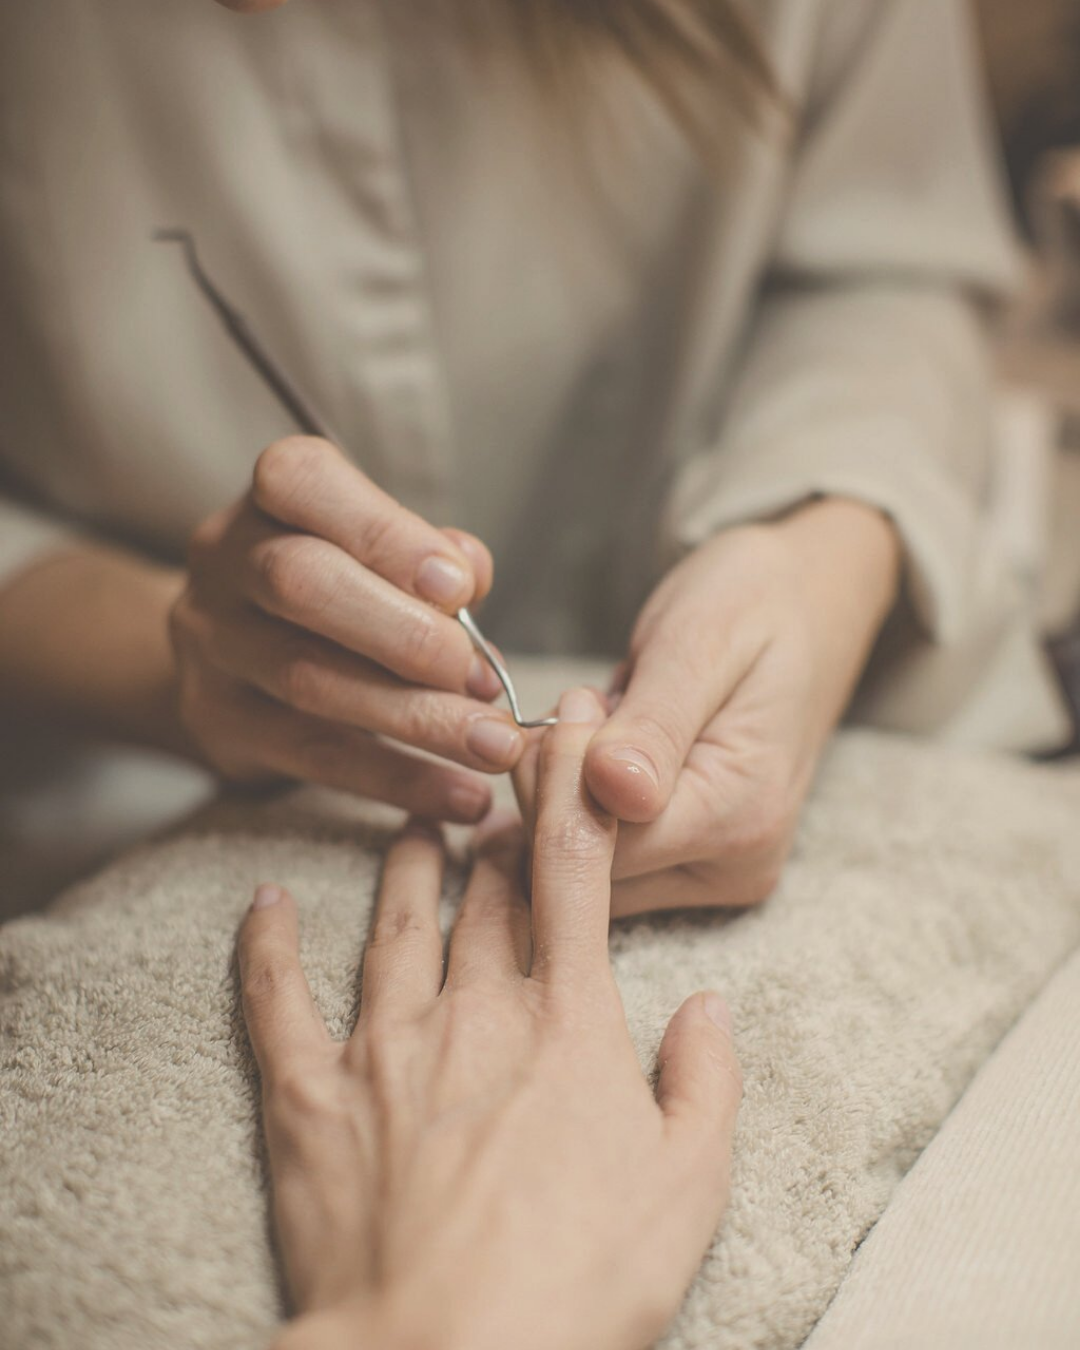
point(554, 327)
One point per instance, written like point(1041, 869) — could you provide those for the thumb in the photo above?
point(635, 758)
point(700, 1079)
point(479, 556)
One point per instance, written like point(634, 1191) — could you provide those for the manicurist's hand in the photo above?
point(316, 625)
point(482, 1164)
point(741, 664)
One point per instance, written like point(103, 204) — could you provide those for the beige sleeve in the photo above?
point(865, 372)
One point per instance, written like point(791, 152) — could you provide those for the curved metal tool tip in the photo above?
point(492, 657)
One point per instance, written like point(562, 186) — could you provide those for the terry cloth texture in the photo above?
point(931, 896)
point(979, 1248)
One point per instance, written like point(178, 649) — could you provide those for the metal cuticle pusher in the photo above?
point(492, 657)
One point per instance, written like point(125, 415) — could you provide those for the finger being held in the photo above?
point(573, 846)
point(283, 1023)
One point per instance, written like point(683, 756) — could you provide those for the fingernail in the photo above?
point(266, 895)
point(636, 761)
point(468, 804)
point(442, 581)
point(580, 705)
point(482, 681)
point(493, 739)
point(717, 1010)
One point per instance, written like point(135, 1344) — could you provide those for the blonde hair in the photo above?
point(693, 54)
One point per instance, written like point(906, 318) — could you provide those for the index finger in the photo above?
point(309, 485)
point(282, 1021)
point(573, 848)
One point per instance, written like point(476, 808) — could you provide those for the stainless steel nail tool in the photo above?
point(311, 423)
point(492, 657)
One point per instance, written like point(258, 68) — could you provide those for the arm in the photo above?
point(84, 640)
point(867, 373)
point(855, 451)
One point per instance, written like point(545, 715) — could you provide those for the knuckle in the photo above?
point(474, 1014)
point(380, 536)
point(288, 572)
point(427, 719)
point(397, 928)
point(568, 841)
point(299, 1093)
point(285, 468)
point(264, 981)
point(302, 682)
point(763, 829)
point(423, 644)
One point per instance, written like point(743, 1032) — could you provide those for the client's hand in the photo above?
point(482, 1163)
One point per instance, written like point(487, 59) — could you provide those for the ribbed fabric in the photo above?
point(980, 1247)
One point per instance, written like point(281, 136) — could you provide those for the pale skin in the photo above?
point(311, 637)
point(299, 643)
point(482, 1163)
point(484, 1144)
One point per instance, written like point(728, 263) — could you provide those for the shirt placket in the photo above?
point(394, 385)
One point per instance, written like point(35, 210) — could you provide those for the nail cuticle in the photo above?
point(493, 739)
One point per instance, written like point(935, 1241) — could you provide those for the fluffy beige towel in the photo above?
point(931, 896)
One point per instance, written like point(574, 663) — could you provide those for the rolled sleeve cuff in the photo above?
point(947, 566)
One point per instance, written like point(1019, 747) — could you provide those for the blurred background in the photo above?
point(1032, 52)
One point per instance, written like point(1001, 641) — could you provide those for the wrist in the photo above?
point(849, 549)
point(84, 642)
point(845, 561)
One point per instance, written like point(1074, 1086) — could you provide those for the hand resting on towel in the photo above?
point(482, 1163)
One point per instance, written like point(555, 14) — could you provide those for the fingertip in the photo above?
point(501, 828)
point(422, 827)
point(718, 1011)
point(266, 894)
point(580, 712)
point(418, 838)
point(700, 1076)
point(467, 803)
point(479, 558)
point(581, 707)
point(624, 782)
point(269, 904)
